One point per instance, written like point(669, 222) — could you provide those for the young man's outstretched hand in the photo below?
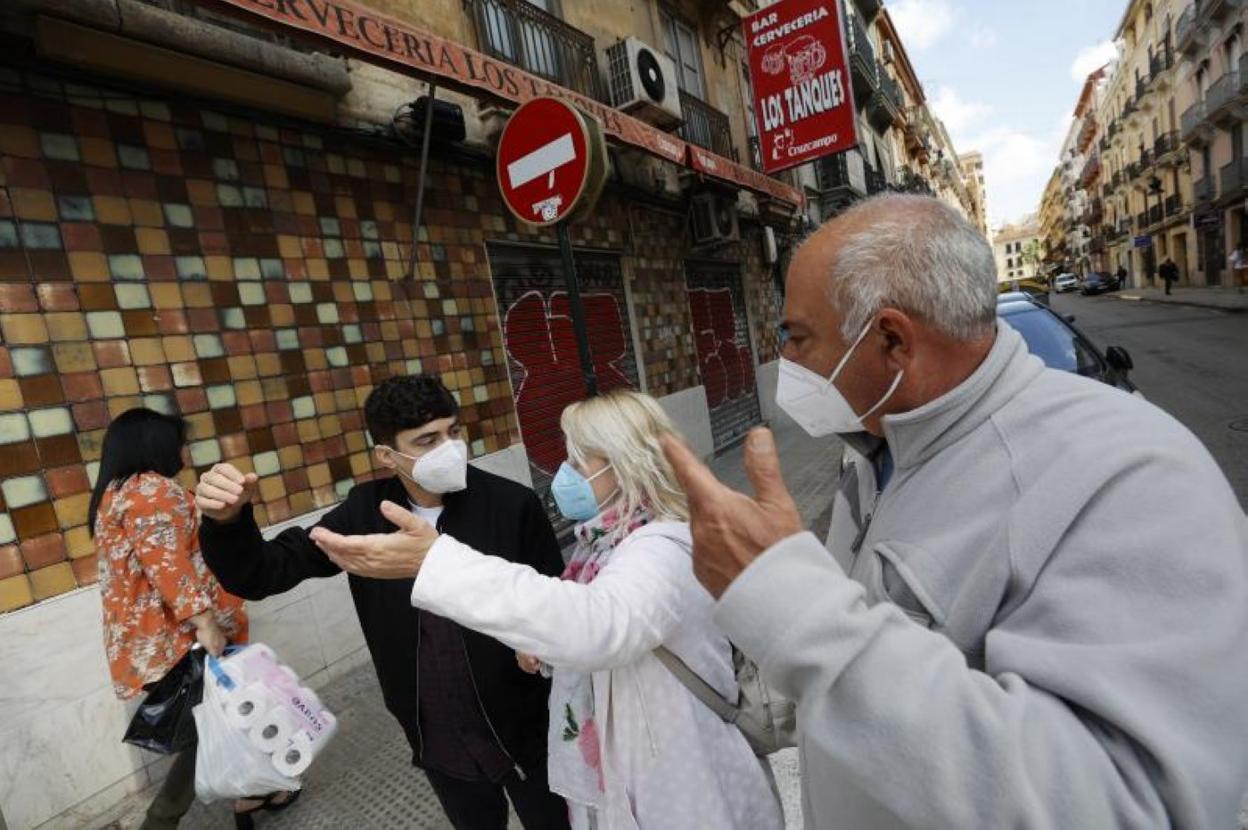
point(730, 529)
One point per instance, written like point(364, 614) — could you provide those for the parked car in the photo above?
point(1035, 287)
point(1065, 282)
point(1056, 341)
point(1096, 283)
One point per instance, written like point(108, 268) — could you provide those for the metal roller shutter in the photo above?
point(725, 358)
point(543, 360)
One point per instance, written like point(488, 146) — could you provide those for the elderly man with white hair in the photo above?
point(1035, 611)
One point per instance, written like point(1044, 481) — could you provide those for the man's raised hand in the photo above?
point(223, 491)
point(730, 529)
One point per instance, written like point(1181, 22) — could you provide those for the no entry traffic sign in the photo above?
point(551, 162)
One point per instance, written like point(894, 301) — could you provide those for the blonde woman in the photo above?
point(630, 746)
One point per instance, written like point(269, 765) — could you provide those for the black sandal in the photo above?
point(244, 819)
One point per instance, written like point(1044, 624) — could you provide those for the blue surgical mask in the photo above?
point(574, 495)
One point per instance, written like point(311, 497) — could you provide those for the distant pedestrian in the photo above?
point(1238, 263)
point(1121, 275)
point(1169, 273)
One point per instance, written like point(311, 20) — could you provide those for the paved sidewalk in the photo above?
point(365, 780)
point(1223, 299)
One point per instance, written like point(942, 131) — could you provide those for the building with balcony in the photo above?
point(972, 163)
point(1144, 126)
point(1019, 250)
point(902, 146)
point(1214, 105)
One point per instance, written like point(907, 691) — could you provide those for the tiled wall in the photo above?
point(252, 276)
point(238, 272)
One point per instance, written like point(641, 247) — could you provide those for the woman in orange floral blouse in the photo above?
point(159, 598)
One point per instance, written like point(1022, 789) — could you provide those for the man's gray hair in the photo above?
point(919, 255)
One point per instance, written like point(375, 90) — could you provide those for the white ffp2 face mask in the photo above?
point(444, 469)
point(814, 401)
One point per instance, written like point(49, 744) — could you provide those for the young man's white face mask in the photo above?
point(814, 401)
point(444, 469)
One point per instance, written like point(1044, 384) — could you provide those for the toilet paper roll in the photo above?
point(247, 706)
point(294, 760)
point(273, 731)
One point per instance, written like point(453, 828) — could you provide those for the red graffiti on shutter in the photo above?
point(539, 336)
point(727, 369)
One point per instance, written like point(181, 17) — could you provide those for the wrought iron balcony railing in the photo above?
point(520, 33)
point(1231, 178)
point(705, 126)
point(1203, 189)
point(1165, 144)
point(1174, 205)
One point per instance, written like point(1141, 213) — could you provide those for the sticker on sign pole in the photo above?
point(551, 162)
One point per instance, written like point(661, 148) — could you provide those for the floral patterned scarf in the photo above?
point(574, 745)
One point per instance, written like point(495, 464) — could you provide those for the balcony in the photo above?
point(1187, 35)
point(1141, 220)
point(885, 108)
point(862, 61)
point(876, 183)
point(839, 183)
point(1223, 99)
point(909, 181)
point(705, 126)
point(1174, 205)
point(1212, 11)
point(869, 8)
point(1161, 62)
point(1142, 89)
point(1202, 189)
point(520, 33)
point(1195, 127)
point(1231, 180)
point(1091, 170)
point(1166, 148)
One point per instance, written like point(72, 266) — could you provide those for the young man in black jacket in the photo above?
point(477, 723)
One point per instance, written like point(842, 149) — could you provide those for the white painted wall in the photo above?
point(62, 761)
point(692, 416)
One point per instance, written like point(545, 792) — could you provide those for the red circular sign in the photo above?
point(543, 161)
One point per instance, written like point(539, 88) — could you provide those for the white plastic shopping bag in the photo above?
point(259, 729)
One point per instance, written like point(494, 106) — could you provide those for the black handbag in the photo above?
point(164, 722)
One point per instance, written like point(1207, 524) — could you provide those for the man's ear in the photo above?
point(383, 456)
point(900, 334)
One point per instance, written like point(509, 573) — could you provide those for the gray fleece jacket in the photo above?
point(1042, 621)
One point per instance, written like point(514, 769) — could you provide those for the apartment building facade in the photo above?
point(1165, 178)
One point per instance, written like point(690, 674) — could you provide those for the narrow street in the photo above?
point(1189, 361)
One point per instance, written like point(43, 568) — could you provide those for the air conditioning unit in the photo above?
point(643, 83)
point(888, 52)
point(714, 219)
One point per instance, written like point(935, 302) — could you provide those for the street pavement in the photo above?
point(1226, 299)
point(1192, 362)
point(365, 779)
